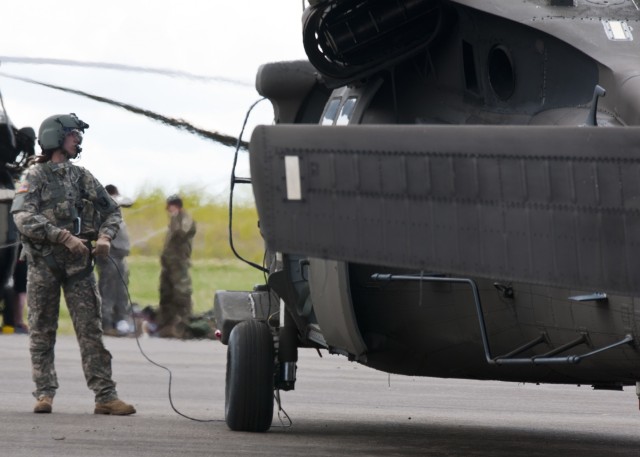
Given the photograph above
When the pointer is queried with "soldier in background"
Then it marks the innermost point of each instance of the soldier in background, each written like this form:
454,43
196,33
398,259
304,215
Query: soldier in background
60,209
175,280
113,272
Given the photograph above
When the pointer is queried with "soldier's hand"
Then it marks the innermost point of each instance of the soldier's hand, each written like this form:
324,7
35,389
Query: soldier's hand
73,243
103,246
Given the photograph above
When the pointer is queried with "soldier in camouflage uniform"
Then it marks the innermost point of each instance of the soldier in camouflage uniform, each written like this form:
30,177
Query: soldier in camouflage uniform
60,209
175,281
113,274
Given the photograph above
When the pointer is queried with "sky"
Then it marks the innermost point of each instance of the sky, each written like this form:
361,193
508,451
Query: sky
224,41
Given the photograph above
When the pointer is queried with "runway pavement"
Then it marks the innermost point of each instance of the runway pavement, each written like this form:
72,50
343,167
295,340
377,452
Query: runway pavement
338,408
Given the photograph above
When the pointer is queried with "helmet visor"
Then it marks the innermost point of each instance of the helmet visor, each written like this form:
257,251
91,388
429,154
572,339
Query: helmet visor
77,134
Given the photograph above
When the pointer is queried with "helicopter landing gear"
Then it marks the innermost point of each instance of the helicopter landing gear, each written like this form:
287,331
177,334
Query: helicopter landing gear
249,380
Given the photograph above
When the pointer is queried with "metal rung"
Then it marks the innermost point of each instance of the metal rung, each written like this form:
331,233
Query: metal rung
531,344
242,180
508,358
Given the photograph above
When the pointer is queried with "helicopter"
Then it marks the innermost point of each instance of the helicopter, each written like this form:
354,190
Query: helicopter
451,190
17,146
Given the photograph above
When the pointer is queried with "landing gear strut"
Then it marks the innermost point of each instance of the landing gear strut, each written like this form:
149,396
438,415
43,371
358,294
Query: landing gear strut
249,381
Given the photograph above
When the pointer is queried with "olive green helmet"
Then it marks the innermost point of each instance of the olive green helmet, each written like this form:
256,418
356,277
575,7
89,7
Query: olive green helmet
54,128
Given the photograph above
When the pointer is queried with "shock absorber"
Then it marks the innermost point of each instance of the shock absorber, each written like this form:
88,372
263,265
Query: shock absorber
287,351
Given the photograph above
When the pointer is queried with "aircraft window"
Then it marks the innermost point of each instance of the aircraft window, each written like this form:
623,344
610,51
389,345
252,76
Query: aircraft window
331,112
470,75
346,111
501,73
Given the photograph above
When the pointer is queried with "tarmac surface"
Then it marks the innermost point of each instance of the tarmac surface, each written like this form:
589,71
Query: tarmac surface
338,408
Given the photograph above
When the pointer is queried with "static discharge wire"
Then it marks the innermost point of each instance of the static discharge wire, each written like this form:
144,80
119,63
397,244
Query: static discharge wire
135,332
282,414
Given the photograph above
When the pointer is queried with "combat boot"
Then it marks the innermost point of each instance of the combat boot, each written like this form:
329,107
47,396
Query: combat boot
115,408
43,405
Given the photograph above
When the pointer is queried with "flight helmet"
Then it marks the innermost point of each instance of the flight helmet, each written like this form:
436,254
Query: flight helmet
55,128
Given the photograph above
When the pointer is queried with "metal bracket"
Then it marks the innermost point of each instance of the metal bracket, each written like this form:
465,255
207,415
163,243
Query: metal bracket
596,296
241,180
509,358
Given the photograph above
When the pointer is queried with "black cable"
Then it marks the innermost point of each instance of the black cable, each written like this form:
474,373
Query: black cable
233,183
135,330
282,414
276,394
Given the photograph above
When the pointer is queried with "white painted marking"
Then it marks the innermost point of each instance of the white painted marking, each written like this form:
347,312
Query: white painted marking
283,309
617,30
292,174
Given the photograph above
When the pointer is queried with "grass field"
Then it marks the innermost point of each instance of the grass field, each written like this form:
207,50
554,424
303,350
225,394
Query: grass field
207,277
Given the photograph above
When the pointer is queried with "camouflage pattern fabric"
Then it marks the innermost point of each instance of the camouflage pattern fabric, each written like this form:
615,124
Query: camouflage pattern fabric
175,280
49,199
83,302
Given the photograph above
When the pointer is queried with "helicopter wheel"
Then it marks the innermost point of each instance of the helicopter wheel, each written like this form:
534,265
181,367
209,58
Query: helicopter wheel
249,380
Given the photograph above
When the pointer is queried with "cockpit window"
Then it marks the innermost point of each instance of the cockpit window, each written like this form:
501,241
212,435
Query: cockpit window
331,112
346,111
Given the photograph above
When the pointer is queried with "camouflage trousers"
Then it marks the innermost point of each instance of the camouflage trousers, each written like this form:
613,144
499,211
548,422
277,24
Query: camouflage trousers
113,272
83,302
175,296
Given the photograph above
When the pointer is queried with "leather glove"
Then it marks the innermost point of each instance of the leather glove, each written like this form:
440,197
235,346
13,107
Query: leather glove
73,243
103,246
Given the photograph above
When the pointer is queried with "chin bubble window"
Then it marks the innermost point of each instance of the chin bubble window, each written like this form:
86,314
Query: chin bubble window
347,110
331,112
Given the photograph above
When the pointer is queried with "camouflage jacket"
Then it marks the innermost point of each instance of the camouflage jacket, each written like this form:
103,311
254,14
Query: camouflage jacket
179,239
57,196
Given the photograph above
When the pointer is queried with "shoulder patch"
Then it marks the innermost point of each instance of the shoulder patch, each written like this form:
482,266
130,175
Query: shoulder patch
23,187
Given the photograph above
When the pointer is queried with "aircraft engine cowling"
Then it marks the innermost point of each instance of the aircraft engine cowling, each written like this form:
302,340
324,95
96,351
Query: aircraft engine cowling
350,39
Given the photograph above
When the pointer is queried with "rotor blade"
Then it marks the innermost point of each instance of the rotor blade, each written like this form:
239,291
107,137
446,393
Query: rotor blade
181,124
122,67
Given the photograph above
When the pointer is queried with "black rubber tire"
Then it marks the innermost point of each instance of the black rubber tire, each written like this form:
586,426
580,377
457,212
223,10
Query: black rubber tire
249,381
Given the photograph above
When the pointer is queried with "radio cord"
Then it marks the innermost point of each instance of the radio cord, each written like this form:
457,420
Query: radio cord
151,361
